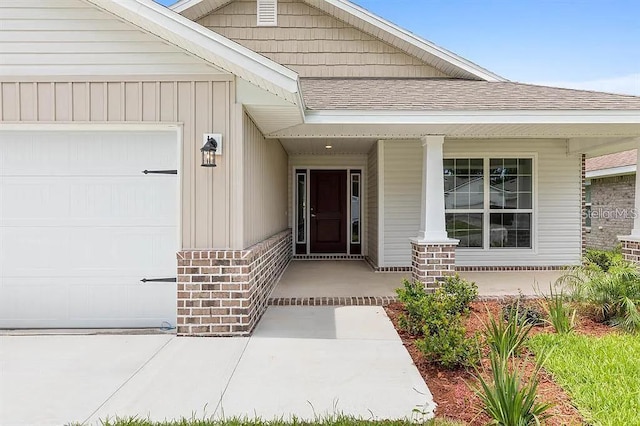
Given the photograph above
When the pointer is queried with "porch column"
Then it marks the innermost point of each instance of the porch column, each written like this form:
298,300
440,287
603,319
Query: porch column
631,243
433,252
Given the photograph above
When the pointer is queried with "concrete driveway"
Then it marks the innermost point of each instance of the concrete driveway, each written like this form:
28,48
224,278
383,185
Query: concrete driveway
302,361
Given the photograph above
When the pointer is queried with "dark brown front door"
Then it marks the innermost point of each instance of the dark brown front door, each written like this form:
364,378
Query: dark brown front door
328,210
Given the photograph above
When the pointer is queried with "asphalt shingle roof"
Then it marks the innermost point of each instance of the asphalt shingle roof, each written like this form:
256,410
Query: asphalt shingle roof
428,94
609,161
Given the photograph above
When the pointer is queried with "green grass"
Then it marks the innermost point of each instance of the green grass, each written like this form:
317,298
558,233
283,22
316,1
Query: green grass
602,375
337,421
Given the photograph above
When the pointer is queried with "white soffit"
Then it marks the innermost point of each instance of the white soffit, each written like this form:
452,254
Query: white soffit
206,44
438,57
319,146
459,130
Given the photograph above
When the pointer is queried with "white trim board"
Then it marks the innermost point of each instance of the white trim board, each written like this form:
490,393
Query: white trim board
610,172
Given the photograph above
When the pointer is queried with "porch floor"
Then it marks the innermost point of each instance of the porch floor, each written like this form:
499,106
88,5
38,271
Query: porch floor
352,278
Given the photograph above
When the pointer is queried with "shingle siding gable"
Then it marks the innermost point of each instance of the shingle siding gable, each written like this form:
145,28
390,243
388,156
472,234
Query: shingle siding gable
313,43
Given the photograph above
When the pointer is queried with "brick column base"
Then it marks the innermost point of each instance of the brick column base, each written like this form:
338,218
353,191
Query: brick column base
432,262
225,292
630,249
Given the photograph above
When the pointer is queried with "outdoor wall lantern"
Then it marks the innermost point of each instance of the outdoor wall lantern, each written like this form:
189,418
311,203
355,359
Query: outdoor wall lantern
212,147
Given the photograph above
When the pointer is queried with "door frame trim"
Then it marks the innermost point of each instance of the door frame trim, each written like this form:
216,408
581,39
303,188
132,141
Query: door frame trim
363,207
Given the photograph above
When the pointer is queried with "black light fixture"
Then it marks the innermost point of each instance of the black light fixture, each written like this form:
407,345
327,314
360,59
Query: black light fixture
209,152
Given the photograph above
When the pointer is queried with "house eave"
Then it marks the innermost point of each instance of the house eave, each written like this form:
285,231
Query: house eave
207,45
611,172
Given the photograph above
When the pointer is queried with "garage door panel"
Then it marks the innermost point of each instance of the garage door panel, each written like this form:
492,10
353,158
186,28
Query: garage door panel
54,251
81,225
86,153
74,302
95,201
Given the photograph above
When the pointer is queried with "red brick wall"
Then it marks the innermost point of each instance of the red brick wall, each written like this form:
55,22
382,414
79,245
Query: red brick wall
225,292
432,262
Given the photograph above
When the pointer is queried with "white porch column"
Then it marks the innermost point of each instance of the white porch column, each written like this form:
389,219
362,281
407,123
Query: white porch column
432,218
433,252
631,243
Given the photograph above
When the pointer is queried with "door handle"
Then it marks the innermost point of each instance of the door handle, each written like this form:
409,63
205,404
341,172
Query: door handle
313,215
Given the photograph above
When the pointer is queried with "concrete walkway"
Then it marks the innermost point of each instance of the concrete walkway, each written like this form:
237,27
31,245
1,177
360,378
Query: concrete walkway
303,361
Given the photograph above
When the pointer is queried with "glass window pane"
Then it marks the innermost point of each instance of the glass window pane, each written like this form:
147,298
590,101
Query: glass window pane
525,200
355,209
495,166
476,167
464,187
466,227
524,183
462,166
587,194
301,223
510,166
525,166
510,230
587,219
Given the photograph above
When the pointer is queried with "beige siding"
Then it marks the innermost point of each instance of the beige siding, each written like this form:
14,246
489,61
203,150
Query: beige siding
205,211
265,185
557,219
313,43
71,37
372,204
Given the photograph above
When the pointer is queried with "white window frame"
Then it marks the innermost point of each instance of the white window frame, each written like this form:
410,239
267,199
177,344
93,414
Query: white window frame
486,210
587,205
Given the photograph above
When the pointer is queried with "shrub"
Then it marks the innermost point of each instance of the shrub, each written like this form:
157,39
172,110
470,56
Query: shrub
506,338
449,347
464,292
559,314
614,293
411,295
525,312
507,399
603,259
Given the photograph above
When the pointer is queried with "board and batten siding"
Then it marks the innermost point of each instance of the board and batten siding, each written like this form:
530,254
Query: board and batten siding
313,43
557,214
72,37
198,107
265,185
372,204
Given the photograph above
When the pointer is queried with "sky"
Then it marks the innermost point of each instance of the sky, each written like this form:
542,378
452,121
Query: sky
582,44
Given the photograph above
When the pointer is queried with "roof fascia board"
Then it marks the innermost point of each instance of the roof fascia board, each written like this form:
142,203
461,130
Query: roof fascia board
610,172
414,40
473,117
206,44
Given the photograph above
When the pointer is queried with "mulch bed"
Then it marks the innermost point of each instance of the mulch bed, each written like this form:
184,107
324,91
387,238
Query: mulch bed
450,388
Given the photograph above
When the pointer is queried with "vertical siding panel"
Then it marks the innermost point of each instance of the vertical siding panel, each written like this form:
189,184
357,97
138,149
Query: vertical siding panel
10,101
266,179
46,106
97,97
28,106
63,101
149,101
80,106
201,98
219,184
114,102
167,101
132,101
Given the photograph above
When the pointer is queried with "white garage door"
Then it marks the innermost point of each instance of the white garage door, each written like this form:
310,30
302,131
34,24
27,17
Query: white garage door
81,225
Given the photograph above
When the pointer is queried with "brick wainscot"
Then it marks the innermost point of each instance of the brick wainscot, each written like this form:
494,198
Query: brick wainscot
225,292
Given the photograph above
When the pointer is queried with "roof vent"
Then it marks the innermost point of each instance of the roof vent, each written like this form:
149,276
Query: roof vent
267,13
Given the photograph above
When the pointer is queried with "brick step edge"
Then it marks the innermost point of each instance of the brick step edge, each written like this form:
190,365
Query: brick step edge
333,301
